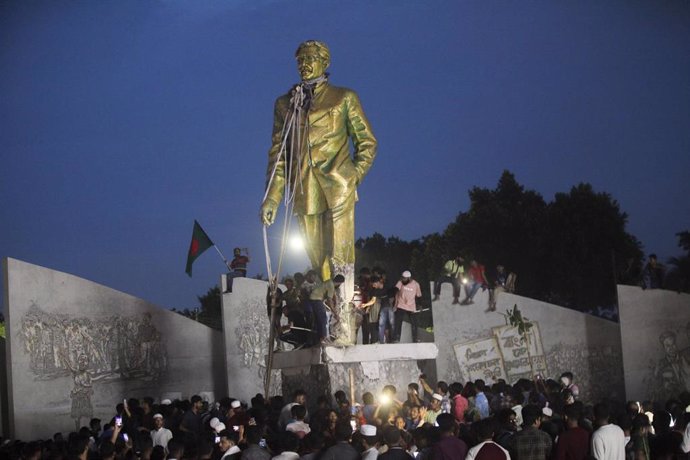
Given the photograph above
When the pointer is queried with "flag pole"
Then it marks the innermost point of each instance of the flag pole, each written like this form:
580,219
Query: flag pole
225,261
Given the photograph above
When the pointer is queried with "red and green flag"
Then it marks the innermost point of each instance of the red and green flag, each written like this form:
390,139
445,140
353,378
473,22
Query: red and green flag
200,243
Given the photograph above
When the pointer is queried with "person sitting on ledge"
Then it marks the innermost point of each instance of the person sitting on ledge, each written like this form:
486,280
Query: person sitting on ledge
452,273
477,279
297,332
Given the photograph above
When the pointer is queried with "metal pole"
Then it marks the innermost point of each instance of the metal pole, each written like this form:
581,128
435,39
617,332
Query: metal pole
225,261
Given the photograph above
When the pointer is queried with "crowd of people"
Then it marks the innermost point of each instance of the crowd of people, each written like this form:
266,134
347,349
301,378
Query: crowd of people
529,420
305,311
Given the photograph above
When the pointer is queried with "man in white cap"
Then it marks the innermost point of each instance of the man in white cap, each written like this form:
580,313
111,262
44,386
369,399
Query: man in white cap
369,442
406,304
434,410
160,435
238,416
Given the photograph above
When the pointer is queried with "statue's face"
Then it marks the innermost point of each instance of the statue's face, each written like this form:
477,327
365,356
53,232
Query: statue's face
309,64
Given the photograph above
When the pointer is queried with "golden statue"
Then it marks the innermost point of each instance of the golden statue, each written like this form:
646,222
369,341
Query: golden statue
310,163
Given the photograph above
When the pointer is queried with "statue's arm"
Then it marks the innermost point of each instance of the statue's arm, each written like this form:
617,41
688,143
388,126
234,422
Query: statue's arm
275,172
360,132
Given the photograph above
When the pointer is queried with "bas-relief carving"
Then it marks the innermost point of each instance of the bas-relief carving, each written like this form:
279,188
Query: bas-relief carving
116,346
252,339
91,349
598,370
668,373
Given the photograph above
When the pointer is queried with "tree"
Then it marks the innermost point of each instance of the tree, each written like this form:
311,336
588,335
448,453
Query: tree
587,246
392,254
210,303
503,226
678,278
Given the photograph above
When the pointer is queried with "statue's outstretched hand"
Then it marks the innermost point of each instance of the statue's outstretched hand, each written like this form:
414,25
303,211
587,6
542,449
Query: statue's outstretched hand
268,212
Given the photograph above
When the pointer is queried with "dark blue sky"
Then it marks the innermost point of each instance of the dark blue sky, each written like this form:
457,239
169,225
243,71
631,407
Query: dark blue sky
123,121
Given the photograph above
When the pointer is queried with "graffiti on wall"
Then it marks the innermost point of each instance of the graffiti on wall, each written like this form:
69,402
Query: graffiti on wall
503,355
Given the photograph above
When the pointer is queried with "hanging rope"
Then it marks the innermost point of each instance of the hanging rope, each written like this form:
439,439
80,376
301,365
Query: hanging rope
298,110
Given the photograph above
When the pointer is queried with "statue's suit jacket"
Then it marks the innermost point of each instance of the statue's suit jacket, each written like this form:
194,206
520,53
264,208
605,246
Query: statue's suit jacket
328,172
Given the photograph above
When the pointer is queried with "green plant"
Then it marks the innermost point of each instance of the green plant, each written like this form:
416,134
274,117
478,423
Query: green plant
514,318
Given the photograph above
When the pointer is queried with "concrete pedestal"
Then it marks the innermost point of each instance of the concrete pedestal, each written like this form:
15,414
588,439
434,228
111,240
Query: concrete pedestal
323,371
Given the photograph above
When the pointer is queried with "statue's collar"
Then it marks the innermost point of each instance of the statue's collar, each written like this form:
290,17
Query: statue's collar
315,84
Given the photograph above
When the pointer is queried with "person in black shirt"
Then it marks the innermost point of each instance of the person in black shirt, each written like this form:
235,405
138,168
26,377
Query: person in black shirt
297,332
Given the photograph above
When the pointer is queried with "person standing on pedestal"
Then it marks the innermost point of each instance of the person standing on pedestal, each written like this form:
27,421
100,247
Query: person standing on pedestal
315,164
322,297
406,304
238,264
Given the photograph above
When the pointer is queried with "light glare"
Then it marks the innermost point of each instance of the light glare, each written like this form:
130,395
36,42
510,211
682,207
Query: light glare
296,243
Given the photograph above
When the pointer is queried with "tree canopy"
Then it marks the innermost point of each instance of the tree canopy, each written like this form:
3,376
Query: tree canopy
571,251
678,277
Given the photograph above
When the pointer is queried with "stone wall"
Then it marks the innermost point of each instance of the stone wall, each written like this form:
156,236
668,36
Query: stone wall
245,334
475,343
77,348
655,335
4,415
323,371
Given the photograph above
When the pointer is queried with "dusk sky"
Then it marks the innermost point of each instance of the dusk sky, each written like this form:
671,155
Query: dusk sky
123,121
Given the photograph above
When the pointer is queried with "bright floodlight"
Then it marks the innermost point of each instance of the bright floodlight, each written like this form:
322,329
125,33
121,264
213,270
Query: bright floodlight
296,243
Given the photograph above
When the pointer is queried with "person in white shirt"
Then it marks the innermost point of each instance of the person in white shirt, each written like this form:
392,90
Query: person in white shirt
685,444
299,426
608,441
159,435
299,397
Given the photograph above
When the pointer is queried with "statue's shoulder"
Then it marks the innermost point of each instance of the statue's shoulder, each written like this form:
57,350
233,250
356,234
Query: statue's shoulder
341,91
284,99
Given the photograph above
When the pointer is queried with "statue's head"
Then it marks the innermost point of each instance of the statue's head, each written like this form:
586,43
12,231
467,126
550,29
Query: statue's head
313,58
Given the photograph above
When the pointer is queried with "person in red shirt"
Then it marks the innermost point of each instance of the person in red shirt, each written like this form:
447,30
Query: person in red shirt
459,403
449,446
238,265
573,444
477,279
